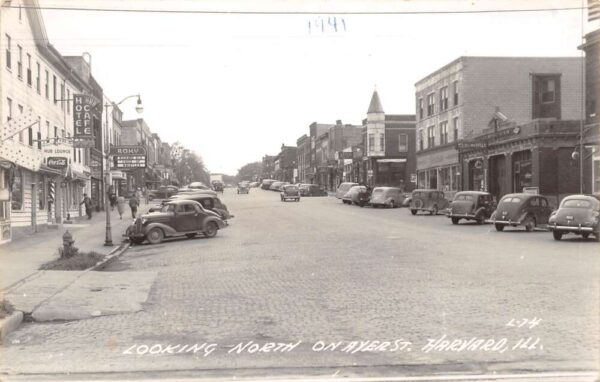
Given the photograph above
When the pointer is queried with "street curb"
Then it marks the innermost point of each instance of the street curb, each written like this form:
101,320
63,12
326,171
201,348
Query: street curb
115,253
10,323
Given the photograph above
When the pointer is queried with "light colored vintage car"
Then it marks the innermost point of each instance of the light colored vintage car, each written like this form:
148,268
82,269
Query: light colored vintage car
391,197
431,201
344,188
578,214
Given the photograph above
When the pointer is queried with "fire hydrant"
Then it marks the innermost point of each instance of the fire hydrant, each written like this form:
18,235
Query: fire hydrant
67,242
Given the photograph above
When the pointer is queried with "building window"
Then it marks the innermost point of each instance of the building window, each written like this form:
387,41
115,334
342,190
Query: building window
62,96
30,135
48,130
371,142
402,143
20,107
455,87
29,77
47,85
431,136
55,135
68,101
39,140
20,62
37,77
41,192
420,108
455,128
382,142
54,89
9,114
17,191
430,104
444,98
421,139
547,89
8,52
443,132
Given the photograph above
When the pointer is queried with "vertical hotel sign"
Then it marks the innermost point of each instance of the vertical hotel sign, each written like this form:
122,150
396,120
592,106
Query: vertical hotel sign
83,132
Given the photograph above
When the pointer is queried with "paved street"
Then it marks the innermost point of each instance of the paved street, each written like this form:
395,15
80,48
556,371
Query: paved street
305,280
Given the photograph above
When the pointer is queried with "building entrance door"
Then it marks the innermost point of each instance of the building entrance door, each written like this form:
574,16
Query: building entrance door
497,176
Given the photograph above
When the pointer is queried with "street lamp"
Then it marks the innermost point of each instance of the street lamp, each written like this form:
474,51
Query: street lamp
139,108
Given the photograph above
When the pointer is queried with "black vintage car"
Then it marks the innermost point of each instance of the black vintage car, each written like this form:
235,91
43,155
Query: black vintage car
311,190
431,201
209,200
577,214
528,210
471,205
290,191
176,218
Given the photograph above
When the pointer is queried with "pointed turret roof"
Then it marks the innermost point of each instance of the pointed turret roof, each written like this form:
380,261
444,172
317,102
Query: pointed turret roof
375,105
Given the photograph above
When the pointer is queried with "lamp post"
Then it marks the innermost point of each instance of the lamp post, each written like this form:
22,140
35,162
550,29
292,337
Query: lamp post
107,181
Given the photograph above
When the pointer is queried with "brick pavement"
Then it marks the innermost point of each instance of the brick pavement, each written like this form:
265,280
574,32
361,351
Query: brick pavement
322,271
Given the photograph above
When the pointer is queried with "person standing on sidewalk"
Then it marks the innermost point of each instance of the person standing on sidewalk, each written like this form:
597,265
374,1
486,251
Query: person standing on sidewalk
138,194
87,202
121,206
133,204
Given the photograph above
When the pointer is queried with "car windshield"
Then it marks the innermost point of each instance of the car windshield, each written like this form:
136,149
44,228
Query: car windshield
512,199
378,191
576,203
168,208
291,188
465,197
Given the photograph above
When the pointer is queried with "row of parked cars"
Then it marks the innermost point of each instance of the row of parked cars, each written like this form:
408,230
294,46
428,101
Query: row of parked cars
576,214
304,189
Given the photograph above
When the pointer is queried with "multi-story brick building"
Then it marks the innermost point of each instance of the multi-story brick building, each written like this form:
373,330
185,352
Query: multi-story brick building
284,164
389,142
591,140
137,132
460,101
315,130
42,176
303,160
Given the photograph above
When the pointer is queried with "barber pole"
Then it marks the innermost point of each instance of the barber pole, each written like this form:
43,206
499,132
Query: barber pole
51,191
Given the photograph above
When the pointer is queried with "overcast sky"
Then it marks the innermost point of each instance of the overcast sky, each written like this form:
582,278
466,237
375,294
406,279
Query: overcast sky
235,87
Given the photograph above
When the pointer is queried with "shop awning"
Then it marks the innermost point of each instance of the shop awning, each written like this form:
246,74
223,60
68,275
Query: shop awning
52,171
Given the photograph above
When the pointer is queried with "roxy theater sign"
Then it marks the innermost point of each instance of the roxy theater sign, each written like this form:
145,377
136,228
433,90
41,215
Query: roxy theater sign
127,157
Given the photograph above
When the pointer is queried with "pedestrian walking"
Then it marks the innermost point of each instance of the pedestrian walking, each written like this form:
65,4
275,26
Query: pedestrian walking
112,197
138,194
121,206
133,204
145,195
87,202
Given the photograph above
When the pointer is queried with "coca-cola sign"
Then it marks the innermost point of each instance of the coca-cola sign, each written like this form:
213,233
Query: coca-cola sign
57,162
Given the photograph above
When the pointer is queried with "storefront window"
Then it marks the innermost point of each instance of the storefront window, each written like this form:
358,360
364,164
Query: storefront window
445,179
41,192
433,181
3,188
454,178
17,191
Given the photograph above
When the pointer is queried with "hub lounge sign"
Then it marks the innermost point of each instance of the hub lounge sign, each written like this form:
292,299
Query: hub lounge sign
57,156
83,132
128,157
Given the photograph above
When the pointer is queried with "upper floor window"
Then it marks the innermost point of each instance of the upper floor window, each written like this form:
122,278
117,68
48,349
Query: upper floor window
37,77
444,98
382,142
455,128
54,89
371,142
420,108
455,88
546,96
47,85
29,76
19,61
431,136
443,132
402,143
8,52
9,114
68,101
421,139
62,96
430,104
547,89
20,107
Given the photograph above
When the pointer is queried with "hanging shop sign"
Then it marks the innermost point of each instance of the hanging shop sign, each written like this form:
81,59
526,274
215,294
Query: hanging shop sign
128,157
83,129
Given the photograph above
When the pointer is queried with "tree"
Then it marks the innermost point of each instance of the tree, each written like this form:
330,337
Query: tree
187,165
249,171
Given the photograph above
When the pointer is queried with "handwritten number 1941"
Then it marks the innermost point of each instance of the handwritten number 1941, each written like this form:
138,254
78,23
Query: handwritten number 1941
333,24
524,322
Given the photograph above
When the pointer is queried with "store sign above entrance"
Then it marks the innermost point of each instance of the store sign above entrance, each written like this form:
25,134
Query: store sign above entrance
471,145
128,157
57,156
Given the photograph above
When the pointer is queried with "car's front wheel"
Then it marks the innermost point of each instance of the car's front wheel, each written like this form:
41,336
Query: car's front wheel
557,235
190,235
455,220
529,224
585,235
414,212
434,210
136,240
155,235
392,204
499,227
211,229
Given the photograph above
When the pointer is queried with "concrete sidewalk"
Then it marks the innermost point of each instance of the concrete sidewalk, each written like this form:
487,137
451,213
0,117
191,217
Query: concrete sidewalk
23,257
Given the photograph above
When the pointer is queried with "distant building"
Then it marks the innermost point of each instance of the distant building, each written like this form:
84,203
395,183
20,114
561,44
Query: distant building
303,159
591,135
284,164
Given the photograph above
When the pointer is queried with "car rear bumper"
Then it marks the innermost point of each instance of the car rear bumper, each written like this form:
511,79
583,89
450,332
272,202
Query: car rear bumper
570,228
462,216
503,222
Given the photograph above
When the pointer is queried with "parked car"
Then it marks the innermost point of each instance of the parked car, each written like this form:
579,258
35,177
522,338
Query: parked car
577,214
254,184
528,210
343,189
198,186
358,195
387,197
431,201
218,186
276,186
266,183
176,218
471,205
209,202
311,190
163,192
290,191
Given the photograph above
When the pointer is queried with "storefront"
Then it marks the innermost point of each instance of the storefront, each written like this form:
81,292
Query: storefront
512,158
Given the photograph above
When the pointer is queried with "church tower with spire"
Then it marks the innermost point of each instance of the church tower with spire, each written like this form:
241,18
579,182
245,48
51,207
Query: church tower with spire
375,127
